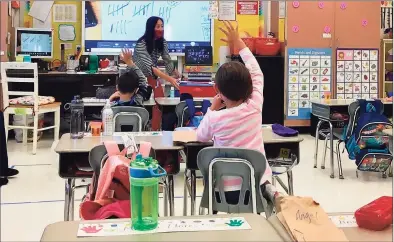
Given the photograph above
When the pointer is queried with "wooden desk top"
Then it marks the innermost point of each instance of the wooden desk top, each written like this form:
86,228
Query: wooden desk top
68,145
261,231
341,102
159,142
168,101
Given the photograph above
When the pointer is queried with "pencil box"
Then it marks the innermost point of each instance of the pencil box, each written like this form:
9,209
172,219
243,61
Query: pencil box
376,215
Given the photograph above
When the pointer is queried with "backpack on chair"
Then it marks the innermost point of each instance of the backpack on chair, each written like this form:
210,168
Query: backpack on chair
196,114
364,140
109,197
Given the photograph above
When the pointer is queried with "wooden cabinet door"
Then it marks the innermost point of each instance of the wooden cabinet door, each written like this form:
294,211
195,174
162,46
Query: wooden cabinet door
311,20
349,29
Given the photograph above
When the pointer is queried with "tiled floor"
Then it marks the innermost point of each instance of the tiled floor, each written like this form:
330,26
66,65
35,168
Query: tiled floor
35,198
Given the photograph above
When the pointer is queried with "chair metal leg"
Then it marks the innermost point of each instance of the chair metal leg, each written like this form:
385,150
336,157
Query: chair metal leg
273,181
391,170
290,182
171,196
35,133
323,162
185,193
339,161
331,150
165,197
193,188
57,125
317,142
71,218
67,198
24,131
282,184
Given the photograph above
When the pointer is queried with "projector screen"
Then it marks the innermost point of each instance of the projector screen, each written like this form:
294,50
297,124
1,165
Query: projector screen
110,26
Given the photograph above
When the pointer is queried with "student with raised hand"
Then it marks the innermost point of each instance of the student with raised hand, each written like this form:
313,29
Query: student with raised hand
240,90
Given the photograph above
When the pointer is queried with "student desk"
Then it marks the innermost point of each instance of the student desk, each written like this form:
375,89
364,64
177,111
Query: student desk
323,109
261,231
72,151
273,145
352,233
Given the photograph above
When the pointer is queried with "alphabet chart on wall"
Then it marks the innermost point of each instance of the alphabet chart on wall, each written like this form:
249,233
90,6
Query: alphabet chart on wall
309,78
357,73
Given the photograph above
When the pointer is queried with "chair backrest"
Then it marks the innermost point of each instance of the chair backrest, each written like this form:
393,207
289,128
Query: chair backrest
182,112
250,165
134,116
19,72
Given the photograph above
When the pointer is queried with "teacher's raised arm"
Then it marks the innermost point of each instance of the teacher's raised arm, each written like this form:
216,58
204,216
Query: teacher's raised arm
150,47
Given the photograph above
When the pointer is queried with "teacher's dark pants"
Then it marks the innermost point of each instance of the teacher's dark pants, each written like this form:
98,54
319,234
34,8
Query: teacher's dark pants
3,148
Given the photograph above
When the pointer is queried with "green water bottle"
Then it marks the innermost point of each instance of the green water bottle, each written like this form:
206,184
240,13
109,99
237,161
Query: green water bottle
144,192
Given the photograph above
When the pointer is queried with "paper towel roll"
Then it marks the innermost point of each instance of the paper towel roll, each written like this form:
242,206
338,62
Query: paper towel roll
224,51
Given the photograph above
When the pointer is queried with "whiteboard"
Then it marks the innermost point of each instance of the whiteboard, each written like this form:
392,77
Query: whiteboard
183,20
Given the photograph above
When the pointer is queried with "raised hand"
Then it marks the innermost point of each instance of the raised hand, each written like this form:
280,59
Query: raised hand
126,57
232,36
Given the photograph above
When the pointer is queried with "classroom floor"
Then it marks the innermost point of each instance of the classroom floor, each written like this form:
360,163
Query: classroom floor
35,198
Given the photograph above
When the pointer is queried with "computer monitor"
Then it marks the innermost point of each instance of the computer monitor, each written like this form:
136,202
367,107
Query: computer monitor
34,42
198,55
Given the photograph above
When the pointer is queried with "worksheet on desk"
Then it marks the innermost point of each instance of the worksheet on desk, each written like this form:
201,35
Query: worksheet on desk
165,226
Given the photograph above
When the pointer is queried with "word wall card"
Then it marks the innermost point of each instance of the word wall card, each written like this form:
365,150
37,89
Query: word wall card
357,73
309,78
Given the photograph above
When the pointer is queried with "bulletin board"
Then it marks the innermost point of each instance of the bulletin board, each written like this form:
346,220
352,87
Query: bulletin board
72,44
357,73
309,78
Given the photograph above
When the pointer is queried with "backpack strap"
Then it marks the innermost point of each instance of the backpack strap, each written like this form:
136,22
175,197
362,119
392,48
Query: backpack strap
191,108
205,105
112,148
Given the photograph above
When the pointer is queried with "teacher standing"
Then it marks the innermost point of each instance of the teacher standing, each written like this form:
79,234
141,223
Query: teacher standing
149,48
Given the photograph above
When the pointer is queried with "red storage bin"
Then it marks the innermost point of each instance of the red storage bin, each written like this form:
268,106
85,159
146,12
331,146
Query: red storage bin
267,46
250,43
376,215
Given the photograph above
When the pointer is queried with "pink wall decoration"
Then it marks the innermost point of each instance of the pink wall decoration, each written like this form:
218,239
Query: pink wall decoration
364,22
296,4
295,28
321,5
343,5
327,29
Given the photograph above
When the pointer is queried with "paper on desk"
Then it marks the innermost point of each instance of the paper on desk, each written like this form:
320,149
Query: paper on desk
40,10
184,136
344,221
165,226
305,220
66,32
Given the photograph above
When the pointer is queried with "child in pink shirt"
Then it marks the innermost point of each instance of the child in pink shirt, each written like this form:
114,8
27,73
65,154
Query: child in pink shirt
240,90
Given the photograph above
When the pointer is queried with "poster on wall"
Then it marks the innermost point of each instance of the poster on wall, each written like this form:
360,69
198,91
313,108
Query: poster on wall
357,73
309,78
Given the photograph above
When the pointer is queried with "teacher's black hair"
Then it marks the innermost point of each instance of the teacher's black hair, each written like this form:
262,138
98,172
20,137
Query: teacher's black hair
149,35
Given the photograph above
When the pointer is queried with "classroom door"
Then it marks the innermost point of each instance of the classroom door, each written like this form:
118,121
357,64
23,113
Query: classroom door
357,24
306,24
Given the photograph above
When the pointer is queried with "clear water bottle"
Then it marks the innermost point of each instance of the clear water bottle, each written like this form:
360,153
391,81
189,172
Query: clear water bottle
77,121
108,119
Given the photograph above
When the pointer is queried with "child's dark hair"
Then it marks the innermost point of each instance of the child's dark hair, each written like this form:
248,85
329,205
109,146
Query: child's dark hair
128,82
234,81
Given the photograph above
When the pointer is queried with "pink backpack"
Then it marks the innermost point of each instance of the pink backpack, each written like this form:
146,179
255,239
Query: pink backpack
109,198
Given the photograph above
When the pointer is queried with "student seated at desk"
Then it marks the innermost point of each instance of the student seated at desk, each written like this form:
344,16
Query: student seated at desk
240,89
127,87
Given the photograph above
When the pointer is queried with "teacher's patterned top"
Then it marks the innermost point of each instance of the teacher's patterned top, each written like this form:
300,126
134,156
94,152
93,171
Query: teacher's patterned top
146,61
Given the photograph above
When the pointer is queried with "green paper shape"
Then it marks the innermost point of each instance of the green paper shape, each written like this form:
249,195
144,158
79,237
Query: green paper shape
235,223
